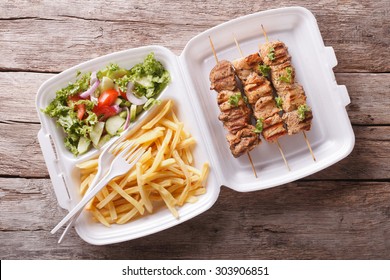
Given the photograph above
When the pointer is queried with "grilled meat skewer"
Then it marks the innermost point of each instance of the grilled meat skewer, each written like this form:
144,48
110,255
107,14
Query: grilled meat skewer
259,93
235,115
297,114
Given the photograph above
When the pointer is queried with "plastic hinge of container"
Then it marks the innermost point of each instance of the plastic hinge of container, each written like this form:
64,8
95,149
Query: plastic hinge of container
50,156
330,57
343,95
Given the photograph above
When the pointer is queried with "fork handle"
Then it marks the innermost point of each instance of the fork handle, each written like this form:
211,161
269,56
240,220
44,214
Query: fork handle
75,217
106,179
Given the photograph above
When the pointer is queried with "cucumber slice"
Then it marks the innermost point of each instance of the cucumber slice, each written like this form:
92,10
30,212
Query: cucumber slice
133,112
96,133
123,114
118,101
106,84
103,140
113,124
83,145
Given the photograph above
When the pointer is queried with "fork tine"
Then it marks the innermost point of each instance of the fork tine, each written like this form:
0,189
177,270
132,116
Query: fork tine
121,145
125,150
133,149
135,156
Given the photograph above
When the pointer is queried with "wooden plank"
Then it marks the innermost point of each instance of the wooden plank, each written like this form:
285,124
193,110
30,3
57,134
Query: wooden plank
101,28
369,103
17,92
304,220
21,155
20,152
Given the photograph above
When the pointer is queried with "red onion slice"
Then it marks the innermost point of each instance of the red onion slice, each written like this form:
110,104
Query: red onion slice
93,78
91,90
127,122
132,98
116,108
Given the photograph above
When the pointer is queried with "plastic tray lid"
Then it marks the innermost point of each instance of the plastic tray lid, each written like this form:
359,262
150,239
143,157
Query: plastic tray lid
331,136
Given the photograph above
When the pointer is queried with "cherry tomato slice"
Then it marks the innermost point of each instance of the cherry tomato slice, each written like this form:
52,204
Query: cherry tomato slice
107,98
80,111
104,112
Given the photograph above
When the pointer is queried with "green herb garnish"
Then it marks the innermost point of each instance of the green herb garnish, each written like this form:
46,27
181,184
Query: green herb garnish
264,69
302,109
259,126
279,102
288,77
271,54
234,99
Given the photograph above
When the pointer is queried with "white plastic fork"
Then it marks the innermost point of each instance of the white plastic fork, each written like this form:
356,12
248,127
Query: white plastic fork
104,162
121,164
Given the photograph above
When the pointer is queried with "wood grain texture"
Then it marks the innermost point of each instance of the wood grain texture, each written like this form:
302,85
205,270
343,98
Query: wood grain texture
361,36
304,220
341,212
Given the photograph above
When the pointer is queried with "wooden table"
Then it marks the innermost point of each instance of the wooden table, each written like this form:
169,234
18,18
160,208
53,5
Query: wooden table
342,212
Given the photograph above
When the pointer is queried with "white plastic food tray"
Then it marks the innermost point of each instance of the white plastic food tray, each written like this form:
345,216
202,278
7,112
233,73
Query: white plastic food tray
331,135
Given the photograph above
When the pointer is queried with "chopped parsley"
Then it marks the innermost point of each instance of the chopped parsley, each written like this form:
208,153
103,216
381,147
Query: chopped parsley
259,126
234,99
288,77
264,69
271,54
279,102
302,109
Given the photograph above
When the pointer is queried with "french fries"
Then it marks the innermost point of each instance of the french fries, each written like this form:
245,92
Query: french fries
164,176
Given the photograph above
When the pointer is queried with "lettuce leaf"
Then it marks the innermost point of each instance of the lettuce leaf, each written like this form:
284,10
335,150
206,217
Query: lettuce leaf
149,77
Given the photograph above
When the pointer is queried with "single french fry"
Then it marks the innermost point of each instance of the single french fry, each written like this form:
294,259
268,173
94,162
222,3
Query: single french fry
186,143
142,191
110,205
169,200
159,116
189,156
176,138
187,175
151,135
92,163
84,185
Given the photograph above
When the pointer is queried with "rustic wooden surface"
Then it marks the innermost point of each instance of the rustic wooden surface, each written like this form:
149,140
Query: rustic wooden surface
342,212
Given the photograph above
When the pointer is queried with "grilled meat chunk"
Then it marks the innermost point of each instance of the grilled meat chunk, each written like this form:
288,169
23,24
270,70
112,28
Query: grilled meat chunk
265,107
235,123
274,53
246,65
256,87
223,100
243,141
292,97
295,124
282,75
273,128
222,76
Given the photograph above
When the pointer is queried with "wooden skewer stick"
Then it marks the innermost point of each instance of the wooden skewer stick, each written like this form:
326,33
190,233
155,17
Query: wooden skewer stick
277,142
304,134
309,146
249,156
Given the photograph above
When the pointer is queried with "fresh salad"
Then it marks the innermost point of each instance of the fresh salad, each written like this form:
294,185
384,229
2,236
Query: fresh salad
100,105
